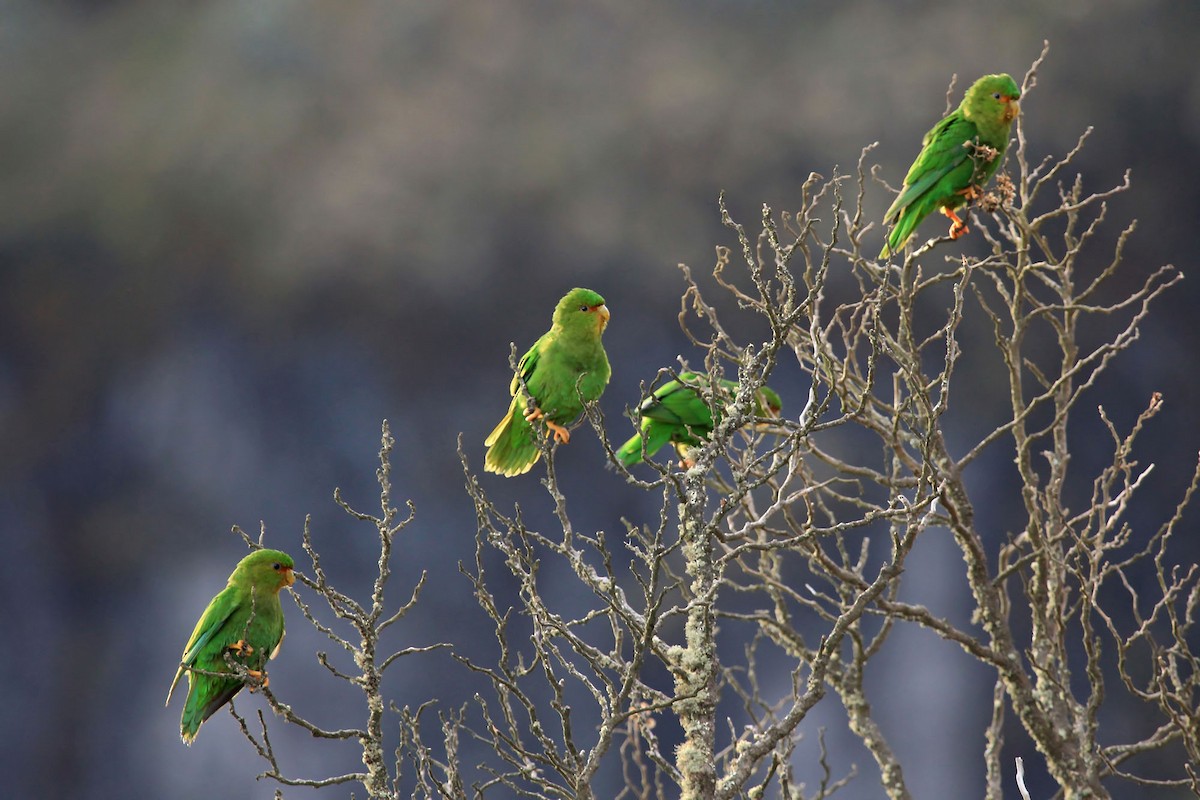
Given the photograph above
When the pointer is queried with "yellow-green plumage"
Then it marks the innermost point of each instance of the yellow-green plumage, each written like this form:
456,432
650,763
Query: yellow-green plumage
678,413
951,167
246,613
565,368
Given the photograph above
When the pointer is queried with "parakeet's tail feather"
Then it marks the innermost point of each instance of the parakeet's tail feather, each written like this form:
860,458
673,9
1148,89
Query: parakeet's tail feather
174,683
656,435
630,453
500,426
511,446
196,710
901,232
907,221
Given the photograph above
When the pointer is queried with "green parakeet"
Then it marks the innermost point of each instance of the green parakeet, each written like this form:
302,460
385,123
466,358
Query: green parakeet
564,368
244,618
958,156
677,413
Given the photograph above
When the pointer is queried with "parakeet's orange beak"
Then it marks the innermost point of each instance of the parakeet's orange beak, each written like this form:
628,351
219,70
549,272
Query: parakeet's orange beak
602,312
1012,108
289,576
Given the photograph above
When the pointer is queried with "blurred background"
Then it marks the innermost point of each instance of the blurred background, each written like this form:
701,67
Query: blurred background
234,237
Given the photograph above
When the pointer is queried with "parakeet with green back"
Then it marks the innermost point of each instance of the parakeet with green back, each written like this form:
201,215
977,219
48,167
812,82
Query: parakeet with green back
678,413
958,157
245,619
565,368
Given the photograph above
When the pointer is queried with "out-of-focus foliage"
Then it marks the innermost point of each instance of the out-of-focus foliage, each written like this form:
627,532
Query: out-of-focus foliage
234,236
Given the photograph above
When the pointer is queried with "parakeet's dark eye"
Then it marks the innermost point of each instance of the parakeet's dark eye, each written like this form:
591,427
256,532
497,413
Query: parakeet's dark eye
996,96
277,566
583,308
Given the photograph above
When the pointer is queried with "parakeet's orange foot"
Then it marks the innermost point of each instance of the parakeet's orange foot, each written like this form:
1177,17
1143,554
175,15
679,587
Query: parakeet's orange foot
241,648
971,193
561,434
957,226
260,676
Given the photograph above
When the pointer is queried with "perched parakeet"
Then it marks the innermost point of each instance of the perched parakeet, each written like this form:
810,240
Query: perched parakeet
952,167
244,618
677,413
564,368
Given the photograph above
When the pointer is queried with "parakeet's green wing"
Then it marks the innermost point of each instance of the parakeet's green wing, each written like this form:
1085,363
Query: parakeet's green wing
524,372
678,402
526,366
511,446
214,618
943,151
689,408
656,427
656,408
